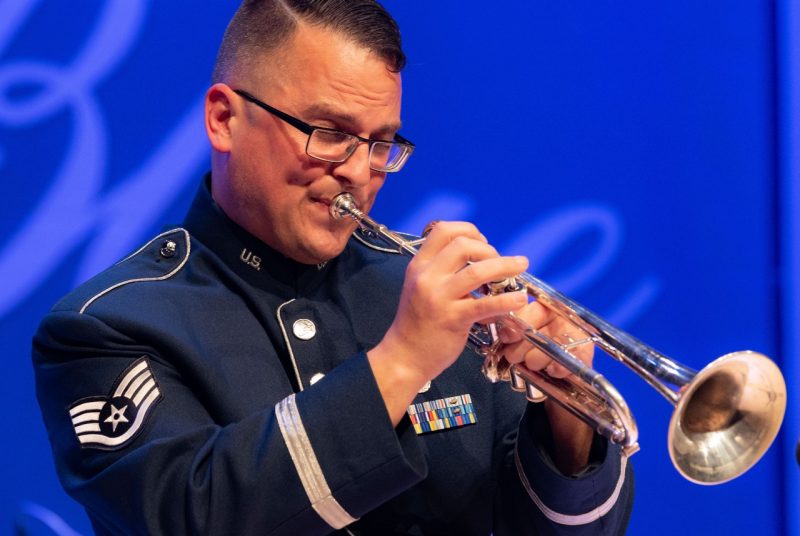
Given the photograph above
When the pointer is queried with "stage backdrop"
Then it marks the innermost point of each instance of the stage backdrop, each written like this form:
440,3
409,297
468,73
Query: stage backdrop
630,149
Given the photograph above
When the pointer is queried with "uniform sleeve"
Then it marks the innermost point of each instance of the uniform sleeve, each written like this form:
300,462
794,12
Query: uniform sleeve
135,444
536,498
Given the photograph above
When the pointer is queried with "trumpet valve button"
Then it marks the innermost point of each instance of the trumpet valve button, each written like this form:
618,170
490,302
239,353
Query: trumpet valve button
517,381
533,394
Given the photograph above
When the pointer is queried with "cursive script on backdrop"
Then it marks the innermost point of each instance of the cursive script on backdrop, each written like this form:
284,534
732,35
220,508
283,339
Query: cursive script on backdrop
74,208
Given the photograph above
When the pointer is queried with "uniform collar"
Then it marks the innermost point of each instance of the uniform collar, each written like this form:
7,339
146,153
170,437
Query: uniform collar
249,257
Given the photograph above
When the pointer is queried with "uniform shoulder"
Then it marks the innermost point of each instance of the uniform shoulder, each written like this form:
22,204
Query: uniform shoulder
159,259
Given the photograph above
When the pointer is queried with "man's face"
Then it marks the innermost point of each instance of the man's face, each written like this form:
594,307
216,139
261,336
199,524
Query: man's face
273,188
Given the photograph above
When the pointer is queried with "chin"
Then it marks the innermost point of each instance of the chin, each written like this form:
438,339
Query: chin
323,252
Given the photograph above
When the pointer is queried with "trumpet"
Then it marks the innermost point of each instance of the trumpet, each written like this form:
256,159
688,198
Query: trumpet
726,415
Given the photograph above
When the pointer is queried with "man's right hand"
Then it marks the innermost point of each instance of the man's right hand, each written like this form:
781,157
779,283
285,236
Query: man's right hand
436,310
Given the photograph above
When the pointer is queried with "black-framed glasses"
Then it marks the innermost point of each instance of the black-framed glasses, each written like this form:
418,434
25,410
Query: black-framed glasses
331,145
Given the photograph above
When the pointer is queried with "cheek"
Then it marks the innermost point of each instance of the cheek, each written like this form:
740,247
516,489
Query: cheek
304,170
250,160
270,152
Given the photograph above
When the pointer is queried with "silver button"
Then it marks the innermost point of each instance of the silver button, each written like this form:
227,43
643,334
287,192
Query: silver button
168,249
316,377
304,329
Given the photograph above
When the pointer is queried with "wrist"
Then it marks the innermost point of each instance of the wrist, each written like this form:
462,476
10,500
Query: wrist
398,380
572,439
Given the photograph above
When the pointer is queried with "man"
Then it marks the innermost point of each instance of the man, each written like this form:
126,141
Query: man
264,370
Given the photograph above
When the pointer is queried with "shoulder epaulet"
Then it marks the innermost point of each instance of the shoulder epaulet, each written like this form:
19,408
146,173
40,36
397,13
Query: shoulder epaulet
159,259
373,241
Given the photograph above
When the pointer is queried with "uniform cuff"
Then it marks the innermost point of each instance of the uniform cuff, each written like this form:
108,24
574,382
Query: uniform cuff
365,460
567,500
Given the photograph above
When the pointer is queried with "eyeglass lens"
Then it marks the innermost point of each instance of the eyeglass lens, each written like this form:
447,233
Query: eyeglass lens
333,146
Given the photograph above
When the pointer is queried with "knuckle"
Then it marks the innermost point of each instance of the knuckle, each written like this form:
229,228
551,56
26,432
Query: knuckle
483,251
472,272
447,228
535,359
488,307
471,228
461,242
412,269
483,307
513,353
425,289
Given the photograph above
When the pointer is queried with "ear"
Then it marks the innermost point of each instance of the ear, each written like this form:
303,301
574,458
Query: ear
219,115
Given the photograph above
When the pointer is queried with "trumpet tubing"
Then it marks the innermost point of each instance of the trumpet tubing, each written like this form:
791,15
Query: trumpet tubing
726,415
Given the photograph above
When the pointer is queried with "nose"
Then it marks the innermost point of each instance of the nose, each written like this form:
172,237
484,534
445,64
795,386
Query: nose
355,170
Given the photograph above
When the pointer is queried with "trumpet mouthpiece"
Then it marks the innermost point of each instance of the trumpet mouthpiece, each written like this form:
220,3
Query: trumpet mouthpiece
343,205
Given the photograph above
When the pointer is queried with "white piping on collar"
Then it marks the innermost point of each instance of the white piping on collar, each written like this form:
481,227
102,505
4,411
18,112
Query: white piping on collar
289,344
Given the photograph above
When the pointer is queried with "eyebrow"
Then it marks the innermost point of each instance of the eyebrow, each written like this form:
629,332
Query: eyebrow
323,111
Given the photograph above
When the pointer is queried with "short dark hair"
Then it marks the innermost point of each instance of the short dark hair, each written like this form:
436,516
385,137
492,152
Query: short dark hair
260,26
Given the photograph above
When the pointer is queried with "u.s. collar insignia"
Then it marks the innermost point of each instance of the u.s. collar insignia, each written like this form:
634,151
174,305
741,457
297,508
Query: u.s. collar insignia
110,422
441,414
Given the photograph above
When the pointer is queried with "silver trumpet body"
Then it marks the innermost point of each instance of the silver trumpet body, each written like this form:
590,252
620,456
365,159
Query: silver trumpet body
726,415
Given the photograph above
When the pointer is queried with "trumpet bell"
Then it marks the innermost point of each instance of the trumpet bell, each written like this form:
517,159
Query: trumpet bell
727,417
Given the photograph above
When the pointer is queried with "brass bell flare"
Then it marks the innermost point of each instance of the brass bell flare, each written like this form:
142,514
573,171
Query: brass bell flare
727,417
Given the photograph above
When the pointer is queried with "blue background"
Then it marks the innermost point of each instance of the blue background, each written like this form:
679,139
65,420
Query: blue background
641,153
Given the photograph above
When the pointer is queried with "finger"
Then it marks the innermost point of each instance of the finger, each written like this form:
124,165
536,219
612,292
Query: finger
556,370
527,354
534,314
472,310
571,338
478,273
436,275
535,359
443,233
581,349
562,332
462,251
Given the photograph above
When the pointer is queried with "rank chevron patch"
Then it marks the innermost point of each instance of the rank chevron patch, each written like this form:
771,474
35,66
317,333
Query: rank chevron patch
110,422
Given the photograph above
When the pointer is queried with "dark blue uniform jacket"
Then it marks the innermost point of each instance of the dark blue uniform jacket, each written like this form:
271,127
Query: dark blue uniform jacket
207,385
